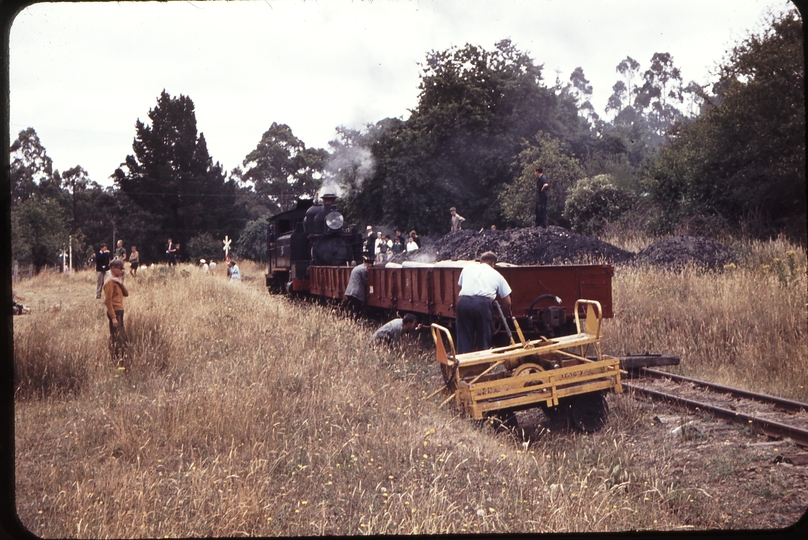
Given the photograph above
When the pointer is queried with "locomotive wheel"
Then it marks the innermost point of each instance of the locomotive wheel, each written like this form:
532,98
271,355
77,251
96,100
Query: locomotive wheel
589,411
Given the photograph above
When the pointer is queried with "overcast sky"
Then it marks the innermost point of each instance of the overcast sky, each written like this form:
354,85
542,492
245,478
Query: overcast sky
81,74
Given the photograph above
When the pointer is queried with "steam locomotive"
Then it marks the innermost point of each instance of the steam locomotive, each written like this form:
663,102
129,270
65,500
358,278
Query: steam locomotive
311,234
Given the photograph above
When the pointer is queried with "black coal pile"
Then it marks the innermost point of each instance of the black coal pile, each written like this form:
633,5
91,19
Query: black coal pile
532,245
678,251
556,245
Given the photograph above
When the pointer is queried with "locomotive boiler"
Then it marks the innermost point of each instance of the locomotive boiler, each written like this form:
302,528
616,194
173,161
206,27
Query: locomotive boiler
310,234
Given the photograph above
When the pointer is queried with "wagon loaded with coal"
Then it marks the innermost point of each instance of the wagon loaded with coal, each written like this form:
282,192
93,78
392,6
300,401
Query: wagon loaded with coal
547,355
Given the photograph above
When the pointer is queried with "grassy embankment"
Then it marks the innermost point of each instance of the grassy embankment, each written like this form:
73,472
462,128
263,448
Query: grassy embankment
241,413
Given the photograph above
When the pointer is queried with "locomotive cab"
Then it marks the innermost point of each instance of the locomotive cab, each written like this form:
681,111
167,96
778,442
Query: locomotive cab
287,247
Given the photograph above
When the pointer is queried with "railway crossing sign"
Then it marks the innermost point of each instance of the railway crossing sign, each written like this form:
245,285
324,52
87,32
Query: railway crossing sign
226,246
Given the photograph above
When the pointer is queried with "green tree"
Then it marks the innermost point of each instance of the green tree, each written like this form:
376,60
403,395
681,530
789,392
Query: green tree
518,199
593,202
204,246
475,109
582,90
745,154
252,244
30,165
172,177
282,169
39,229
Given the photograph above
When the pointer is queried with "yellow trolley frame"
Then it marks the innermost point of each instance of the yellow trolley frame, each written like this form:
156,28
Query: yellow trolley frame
529,373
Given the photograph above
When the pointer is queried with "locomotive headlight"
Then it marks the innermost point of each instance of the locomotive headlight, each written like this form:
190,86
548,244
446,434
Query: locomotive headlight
334,220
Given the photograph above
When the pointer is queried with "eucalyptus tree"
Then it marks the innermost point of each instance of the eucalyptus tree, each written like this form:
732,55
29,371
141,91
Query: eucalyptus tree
30,165
281,168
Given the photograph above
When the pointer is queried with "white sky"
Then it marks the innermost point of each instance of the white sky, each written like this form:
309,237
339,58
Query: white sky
81,74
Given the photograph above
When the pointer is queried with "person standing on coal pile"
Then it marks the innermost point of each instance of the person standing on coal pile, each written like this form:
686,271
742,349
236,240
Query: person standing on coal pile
114,293
542,187
357,285
101,268
480,285
390,333
457,219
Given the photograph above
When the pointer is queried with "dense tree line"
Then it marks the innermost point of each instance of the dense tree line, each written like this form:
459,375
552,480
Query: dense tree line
665,156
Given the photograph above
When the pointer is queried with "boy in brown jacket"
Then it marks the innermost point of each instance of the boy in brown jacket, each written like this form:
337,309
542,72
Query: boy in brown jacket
114,293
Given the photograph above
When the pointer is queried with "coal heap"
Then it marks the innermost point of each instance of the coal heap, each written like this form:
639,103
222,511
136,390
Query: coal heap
678,251
557,245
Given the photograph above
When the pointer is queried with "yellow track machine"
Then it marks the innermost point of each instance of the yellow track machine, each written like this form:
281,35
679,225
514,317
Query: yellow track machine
565,375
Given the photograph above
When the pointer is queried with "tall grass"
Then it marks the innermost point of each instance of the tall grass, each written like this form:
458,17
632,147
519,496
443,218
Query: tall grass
745,325
242,413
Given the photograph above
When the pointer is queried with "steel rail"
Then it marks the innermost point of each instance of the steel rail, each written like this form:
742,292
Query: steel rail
786,404
770,427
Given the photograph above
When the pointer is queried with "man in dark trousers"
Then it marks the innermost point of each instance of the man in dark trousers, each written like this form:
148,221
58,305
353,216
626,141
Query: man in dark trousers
101,268
355,292
480,285
542,187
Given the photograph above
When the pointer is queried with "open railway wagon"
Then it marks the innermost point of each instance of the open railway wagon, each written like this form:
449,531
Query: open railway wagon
543,297
566,375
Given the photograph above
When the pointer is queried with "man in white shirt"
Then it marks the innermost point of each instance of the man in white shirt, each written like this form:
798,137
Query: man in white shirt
480,285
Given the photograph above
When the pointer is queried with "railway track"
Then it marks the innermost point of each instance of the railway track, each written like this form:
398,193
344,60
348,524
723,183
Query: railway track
777,417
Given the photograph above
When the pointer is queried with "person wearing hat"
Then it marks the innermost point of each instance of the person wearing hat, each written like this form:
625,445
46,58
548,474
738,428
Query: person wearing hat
114,293
203,264
357,285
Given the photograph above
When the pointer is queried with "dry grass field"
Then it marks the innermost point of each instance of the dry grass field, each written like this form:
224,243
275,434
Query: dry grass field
241,413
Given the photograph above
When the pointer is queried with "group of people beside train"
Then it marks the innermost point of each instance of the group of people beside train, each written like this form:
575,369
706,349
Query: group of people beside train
380,247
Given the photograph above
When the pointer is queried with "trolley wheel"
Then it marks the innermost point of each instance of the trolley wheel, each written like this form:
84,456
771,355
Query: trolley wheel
589,411
528,368
558,414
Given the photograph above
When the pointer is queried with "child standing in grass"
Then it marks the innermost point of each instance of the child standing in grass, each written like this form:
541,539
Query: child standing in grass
134,262
114,293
